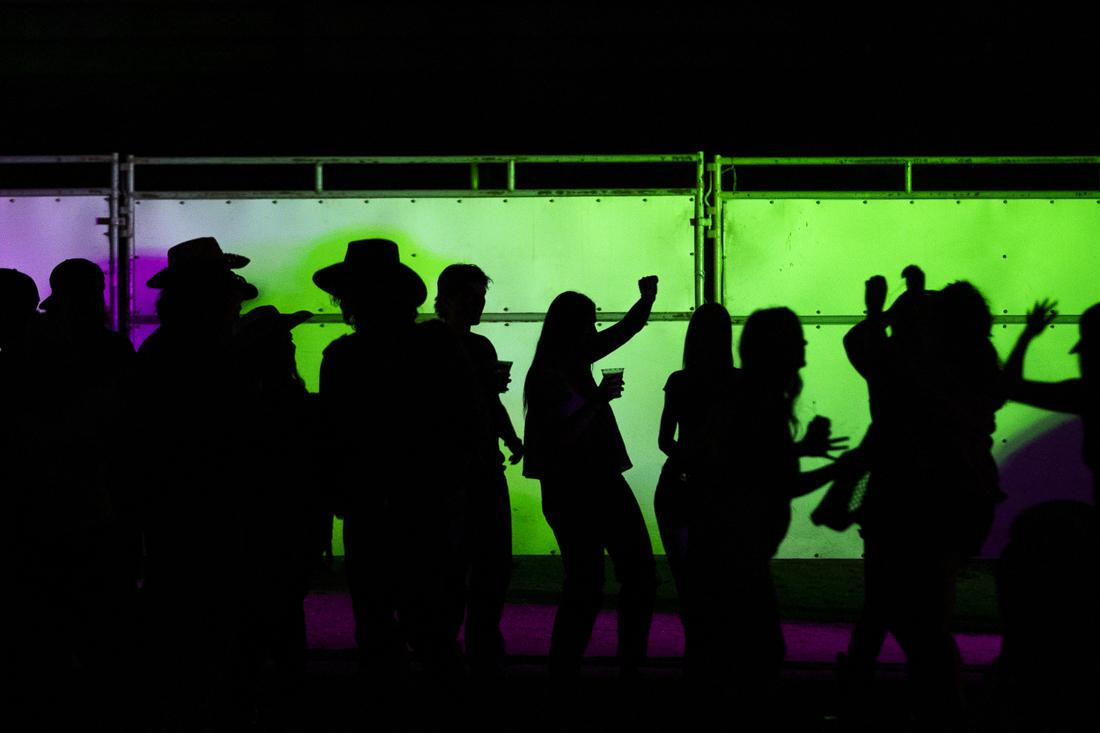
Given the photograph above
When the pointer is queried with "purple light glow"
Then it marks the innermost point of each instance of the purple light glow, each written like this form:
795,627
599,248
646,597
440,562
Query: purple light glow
526,629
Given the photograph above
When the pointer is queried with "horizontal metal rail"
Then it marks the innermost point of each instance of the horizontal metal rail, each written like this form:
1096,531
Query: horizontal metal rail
912,195
13,193
418,159
407,193
917,160
738,320
49,159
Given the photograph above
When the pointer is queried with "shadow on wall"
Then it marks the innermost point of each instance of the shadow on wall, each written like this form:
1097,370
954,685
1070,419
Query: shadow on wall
1047,467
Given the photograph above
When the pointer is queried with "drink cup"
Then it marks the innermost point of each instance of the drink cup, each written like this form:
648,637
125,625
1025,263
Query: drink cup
503,375
613,373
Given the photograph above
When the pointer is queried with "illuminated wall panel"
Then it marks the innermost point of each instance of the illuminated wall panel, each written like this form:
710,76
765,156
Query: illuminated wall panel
532,248
815,256
38,232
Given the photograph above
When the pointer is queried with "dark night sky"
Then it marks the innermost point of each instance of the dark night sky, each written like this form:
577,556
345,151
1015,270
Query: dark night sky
230,78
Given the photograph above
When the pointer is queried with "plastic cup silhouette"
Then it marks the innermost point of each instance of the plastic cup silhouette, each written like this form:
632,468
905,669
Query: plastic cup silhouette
503,374
615,373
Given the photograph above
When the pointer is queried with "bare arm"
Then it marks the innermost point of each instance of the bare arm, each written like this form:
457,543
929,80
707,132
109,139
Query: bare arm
865,343
1057,396
666,433
614,336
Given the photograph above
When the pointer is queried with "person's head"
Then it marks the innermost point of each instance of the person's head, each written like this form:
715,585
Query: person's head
709,341
570,321
76,294
1088,347
199,290
773,352
372,286
18,304
772,342
264,341
961,313
460,294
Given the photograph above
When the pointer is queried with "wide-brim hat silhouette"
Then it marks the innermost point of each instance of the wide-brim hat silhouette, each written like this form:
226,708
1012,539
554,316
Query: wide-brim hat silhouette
76,277
372,265
202,257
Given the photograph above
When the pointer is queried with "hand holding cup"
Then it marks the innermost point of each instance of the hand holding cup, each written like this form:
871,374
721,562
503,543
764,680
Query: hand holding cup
612,385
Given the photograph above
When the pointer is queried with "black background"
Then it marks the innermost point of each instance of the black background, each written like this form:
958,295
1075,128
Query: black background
235,78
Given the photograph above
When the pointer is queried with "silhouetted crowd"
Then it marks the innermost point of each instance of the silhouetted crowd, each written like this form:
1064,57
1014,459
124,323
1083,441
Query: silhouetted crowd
166,508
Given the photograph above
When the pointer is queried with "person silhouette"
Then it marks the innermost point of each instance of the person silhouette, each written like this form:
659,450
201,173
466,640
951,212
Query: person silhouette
459,302
575,450
933,481
747,473
708,374
194,508
82,543
1078,396
707,380
280,544
1045,677
402,537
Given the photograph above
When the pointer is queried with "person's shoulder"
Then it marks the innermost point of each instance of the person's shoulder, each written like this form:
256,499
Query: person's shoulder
675,381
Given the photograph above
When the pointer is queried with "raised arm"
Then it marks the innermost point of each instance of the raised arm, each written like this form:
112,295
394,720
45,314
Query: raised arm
614,336
865,342
1057,396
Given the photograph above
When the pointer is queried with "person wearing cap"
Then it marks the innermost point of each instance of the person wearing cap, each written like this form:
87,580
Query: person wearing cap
1079,396
399,488
459,303
280,539
194,390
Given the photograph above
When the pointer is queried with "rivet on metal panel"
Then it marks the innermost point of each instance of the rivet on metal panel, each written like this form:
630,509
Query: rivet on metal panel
771,202
504,201
274,201
551,200
644,200
910,200
366,201
458,201
58,201
817,202
1006,201
597,201
412,201
864,200
1052,201
320,201
12,201
182,203
1004,257
228,202
505,310
958,201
